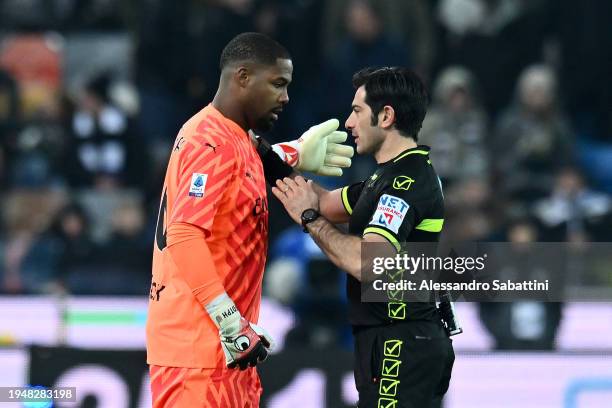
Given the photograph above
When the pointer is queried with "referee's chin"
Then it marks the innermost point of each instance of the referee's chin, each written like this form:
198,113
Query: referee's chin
362,150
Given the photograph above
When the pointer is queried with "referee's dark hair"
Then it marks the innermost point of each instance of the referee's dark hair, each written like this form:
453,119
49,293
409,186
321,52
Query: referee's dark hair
399,88
252,47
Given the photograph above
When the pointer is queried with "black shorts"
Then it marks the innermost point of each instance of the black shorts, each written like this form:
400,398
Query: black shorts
404,365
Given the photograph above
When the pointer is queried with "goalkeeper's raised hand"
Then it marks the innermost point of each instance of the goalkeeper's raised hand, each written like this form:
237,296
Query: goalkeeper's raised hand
318,150
244,344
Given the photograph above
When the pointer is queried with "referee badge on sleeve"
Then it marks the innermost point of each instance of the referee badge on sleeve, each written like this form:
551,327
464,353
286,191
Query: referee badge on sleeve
390,212
198,184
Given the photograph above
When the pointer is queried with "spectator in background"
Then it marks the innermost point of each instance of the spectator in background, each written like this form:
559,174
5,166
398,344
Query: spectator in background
471,211
573,212
77,251
128,251
30,255
39,147
106,153
584,35
9,116
532,139
120,266
456,128
494,39
524,325
365,43
409,21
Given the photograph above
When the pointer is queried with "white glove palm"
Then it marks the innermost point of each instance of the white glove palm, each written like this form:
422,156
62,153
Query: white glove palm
318,150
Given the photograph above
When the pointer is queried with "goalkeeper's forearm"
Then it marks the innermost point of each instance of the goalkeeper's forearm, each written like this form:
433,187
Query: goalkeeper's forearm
243,343
189,251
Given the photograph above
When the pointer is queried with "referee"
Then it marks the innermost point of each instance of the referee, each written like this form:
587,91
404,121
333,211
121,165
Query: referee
403,356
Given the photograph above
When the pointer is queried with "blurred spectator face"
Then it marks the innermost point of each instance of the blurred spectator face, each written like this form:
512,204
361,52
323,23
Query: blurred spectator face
73,224
266,94
569,182
454,89
537,89
474,193
459,101
90,102
368,138
522,233
362,22
129,220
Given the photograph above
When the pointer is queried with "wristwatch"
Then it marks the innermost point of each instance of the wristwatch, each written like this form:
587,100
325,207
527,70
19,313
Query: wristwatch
308,216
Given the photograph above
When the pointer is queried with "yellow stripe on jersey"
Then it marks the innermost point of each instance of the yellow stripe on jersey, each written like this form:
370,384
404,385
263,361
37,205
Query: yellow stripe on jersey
383,233
431,225
345,201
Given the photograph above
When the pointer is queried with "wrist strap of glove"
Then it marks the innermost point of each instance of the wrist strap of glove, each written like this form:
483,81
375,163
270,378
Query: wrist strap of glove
274,167
224,314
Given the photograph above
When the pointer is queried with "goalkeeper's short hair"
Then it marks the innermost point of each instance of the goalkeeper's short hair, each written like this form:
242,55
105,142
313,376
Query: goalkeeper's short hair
252,47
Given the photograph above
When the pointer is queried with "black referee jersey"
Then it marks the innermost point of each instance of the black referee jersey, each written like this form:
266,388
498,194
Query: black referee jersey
403,202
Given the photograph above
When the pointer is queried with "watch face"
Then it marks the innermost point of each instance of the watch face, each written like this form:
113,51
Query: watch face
309,215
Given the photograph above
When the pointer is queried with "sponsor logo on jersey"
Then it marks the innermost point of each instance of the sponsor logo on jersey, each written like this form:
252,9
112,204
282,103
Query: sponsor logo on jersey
390,212
198,184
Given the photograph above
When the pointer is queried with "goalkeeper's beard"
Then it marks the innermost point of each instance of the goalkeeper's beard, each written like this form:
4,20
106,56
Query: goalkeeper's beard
263,125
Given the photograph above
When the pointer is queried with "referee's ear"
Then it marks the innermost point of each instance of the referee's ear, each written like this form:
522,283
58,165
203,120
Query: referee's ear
386,117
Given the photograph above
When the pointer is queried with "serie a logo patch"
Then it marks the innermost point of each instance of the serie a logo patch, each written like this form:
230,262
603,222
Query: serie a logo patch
198,184
390,212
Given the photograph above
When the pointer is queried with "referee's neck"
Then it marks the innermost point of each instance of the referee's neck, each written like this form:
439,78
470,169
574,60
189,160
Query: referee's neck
393,145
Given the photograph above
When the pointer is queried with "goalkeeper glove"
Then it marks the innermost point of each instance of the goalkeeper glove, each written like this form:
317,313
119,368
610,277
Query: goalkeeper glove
318,150
244,344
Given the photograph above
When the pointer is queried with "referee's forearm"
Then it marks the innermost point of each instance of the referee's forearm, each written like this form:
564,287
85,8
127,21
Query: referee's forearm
343,250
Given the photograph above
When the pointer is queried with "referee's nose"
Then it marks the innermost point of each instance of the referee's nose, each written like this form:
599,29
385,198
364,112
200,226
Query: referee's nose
350,122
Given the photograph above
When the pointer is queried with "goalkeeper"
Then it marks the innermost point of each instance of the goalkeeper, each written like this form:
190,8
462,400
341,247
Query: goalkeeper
211,238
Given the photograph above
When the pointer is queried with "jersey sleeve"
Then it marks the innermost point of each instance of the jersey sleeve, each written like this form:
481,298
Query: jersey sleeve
203,177
350,195
400,209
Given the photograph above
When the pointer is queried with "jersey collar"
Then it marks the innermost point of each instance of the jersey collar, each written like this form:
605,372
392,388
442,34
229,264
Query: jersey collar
422,150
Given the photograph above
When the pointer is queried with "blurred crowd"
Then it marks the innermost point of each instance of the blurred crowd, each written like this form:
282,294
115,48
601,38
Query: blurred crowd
93,92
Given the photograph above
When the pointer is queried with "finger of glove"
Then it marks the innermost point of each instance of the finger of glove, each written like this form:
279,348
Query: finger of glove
263,355
257,354
337,161
265,337
326,127
329,171
243,364
260,353
337,137
340,149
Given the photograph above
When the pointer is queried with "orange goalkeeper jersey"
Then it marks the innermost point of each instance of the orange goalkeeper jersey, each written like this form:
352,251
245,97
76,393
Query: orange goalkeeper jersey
215,182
